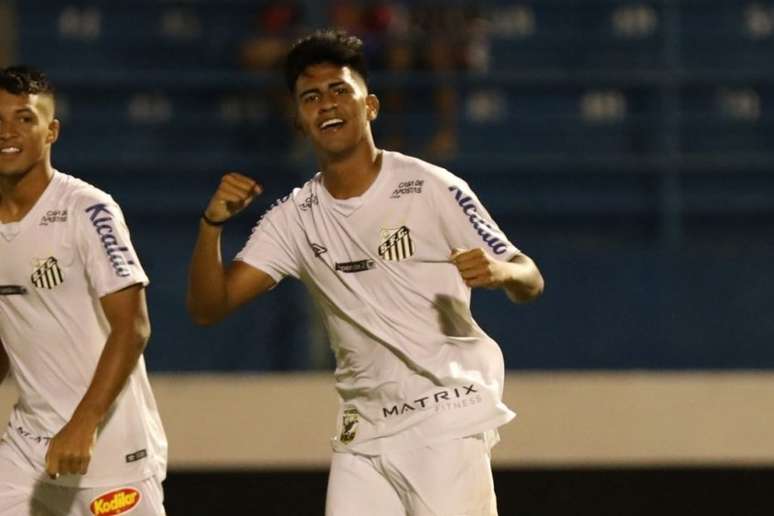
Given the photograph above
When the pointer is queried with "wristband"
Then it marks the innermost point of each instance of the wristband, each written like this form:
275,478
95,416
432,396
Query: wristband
211,222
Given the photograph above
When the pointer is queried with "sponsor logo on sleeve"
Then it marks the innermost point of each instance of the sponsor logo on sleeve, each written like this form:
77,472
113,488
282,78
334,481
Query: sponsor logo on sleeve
482,227
119,501
396,244
47,274
118,254
349,422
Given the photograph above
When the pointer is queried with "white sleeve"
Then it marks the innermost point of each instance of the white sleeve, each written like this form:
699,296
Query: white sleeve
104,244
269,248
465,223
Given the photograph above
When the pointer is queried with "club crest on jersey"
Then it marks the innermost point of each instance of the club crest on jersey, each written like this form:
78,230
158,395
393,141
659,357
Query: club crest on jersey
349,426
47,274
396,244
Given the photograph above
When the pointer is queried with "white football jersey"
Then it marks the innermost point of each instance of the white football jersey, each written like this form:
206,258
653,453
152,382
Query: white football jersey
413,367
70,250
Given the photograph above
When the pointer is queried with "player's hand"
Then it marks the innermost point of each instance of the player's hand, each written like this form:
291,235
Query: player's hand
478,268
235,193
69,451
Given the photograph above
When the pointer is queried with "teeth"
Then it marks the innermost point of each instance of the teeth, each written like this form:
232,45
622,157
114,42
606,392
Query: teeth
332,121
10,150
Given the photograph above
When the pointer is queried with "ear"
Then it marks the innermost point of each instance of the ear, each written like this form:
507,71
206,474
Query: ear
372,107
53,131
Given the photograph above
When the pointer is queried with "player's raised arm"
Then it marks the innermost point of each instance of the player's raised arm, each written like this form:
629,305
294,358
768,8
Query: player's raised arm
215,291
126,311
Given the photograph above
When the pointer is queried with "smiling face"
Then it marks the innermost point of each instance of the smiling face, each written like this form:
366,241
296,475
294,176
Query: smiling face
27,130
334,109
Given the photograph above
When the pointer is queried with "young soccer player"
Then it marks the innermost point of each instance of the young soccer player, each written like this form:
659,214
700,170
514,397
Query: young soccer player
85,437
389,247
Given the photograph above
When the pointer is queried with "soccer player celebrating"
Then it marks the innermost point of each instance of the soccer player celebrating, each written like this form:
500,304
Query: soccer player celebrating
85,436
389,247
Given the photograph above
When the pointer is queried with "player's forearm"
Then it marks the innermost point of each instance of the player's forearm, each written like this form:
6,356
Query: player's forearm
524,282
207,294
123,349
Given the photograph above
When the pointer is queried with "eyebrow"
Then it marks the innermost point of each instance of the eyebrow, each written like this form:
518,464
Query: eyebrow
25,110
317,90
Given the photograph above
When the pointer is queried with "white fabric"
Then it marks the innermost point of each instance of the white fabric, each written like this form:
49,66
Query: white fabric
70,250
23,495
413,367
453,478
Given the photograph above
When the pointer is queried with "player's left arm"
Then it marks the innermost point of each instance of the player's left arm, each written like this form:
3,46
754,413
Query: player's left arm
519,277
126,310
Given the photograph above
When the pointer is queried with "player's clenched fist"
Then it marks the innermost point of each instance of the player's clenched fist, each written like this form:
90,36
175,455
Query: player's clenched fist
234,194
478,268
69,451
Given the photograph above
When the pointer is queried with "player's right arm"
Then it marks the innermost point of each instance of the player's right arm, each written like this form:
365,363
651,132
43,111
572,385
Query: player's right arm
215,291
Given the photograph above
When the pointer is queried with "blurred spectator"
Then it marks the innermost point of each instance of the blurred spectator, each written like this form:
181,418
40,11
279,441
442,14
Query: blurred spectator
276,26
406,37
7,33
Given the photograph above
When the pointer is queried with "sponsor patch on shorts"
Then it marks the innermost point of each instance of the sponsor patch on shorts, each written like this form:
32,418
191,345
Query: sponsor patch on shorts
118,501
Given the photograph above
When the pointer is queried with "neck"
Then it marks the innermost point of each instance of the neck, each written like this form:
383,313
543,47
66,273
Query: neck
19,192
350,174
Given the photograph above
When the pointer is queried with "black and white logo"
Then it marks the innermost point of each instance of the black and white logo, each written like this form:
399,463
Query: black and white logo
47,274
12,290
135,456
396,244
318,249
309,202
408,187
358,266
53,216
349,422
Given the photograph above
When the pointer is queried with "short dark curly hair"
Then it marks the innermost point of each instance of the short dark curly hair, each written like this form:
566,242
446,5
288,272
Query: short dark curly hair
25,80
325,46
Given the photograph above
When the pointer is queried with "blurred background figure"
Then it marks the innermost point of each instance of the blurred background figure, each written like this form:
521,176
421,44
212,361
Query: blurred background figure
7,33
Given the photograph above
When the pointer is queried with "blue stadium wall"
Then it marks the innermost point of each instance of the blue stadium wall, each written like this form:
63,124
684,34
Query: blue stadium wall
636,170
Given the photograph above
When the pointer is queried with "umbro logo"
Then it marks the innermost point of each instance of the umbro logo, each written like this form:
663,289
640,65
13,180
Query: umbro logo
318,249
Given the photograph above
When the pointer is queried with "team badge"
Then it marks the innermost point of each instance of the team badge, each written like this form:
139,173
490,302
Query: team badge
47,274
349,426
396,244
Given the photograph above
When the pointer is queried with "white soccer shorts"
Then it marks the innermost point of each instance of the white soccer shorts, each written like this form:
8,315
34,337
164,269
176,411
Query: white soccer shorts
24,495
453,478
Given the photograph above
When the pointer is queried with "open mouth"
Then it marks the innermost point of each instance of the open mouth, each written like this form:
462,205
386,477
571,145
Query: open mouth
331,125
10,151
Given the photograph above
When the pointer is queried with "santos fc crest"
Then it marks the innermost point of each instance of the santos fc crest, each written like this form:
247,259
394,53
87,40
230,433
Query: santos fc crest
47,274
396,244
